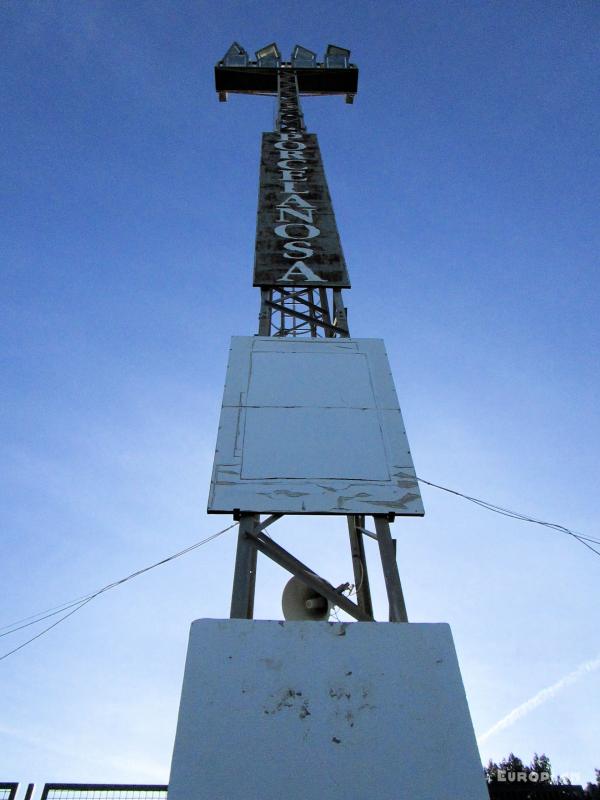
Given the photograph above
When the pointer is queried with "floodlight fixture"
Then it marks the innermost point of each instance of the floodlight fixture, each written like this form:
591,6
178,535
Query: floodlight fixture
269,56
235,72
303,58
236,56
337,57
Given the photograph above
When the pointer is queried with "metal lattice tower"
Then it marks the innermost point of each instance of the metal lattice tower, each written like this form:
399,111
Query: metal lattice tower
301,296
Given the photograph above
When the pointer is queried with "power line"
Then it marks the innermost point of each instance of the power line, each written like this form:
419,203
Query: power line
507,512
76,605
35,618
66,604
72,606
49,628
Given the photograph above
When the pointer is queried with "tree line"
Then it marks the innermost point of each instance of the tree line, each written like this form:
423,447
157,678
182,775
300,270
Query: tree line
513,770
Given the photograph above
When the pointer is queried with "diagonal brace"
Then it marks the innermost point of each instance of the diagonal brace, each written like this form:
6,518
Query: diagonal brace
297,297
286,560
304,317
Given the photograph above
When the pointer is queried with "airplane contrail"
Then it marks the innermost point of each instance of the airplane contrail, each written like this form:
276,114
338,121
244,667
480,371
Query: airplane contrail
540,698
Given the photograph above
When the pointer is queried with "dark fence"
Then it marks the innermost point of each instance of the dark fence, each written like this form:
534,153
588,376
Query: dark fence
135,791
88,791
103,791
534,791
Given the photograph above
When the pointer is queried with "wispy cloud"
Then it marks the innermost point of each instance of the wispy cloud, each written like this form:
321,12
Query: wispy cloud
540,698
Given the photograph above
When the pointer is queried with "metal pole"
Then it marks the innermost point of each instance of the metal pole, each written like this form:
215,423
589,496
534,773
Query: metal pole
264,317
244,577
359,563
340,314
390,570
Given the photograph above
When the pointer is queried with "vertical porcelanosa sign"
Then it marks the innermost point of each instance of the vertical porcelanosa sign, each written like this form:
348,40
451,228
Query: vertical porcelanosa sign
297,242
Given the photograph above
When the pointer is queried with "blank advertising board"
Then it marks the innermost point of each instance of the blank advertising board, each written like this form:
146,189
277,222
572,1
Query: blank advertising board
311,426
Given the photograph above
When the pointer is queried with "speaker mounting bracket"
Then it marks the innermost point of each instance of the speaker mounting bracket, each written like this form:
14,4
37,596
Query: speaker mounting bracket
253,539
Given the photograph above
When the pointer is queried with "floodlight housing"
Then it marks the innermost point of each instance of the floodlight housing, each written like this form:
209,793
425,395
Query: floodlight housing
234,73
303,58
268,56
337,57
236,56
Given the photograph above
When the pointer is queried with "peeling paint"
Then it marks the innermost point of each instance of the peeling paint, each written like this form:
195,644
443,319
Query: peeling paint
356,412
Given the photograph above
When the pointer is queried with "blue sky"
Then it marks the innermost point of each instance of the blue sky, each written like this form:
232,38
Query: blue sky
465,182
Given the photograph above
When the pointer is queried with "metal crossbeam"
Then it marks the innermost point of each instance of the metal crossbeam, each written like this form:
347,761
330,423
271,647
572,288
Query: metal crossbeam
287,312
253,539
310,318
298,296
274,551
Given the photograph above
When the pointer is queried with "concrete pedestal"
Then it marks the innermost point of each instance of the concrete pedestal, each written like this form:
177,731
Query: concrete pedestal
323,711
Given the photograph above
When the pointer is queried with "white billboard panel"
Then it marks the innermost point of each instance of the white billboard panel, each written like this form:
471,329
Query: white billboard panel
311,426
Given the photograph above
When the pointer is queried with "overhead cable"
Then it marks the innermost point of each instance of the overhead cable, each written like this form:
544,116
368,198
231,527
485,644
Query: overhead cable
507,512
76,605
72,606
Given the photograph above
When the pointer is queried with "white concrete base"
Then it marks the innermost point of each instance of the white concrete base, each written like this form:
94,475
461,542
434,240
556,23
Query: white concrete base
323,711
